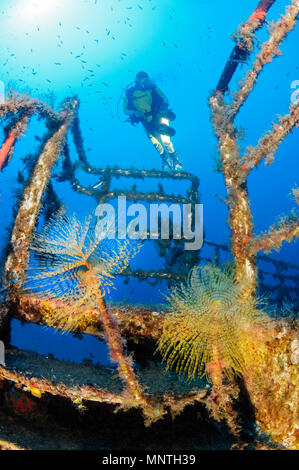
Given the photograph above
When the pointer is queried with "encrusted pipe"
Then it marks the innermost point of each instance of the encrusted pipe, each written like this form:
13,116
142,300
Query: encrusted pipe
244,38
125,368
287,230
236,170
30,206
268,145
268,51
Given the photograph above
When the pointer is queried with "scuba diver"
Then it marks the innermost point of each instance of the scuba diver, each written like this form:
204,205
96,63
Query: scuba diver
145,103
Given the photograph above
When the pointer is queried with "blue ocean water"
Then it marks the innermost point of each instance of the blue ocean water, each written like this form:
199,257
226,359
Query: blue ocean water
93,49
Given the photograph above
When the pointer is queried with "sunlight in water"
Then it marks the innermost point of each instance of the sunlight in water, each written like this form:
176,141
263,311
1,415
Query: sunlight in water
32,10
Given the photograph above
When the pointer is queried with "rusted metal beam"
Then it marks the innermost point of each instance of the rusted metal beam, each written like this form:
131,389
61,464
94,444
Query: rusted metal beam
118,172
135,322
104,192
85,392
111,393
244,38
30,206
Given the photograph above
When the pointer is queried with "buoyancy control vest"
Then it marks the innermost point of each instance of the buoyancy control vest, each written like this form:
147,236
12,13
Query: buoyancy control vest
156,99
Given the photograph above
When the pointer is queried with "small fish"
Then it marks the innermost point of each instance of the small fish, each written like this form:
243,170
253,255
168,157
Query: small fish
98,185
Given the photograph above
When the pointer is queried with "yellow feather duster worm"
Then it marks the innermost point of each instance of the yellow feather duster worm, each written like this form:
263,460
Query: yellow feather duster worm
201,330
76,266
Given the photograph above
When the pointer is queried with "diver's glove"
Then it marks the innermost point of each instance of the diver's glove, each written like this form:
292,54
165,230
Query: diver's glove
135,117
137,114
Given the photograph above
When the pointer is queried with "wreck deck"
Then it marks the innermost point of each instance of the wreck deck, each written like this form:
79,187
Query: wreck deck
91,382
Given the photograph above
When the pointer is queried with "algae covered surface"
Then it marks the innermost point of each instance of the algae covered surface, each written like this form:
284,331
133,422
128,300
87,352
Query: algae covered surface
115,228
155,379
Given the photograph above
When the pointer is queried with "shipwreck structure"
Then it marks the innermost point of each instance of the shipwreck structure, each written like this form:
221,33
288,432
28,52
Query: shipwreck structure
37,388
